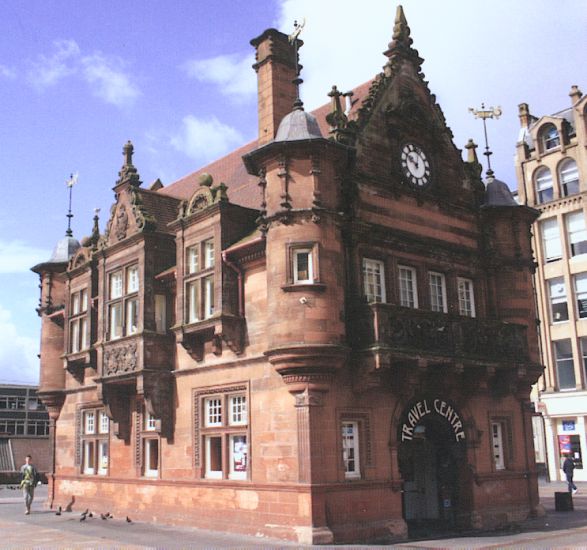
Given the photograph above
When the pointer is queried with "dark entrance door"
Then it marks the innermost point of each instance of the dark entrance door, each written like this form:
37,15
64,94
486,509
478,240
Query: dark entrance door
429,467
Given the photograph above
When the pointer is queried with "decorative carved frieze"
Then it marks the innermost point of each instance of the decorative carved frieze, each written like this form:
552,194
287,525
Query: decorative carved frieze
120,359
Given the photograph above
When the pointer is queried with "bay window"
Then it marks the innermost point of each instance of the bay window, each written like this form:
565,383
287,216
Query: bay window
78,321
199,277
123,302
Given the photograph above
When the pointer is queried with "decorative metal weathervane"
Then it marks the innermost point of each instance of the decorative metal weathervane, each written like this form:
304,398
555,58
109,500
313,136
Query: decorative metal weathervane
70,183
293,39
484,114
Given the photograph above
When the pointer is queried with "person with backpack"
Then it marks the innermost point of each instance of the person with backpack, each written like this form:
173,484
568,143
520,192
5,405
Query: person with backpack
28,482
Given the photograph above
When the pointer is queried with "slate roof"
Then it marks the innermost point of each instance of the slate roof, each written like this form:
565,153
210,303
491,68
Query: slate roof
230,169
163,208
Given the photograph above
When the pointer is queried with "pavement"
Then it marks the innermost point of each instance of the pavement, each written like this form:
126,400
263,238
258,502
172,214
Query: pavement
44,530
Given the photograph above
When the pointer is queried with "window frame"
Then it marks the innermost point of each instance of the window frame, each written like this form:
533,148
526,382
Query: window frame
200,281
577,247
549,137
565,360
123,303
374,288
444,304
556,314
354,446
94,436
568,174
544,185
548,228
468,299
79,321
408,297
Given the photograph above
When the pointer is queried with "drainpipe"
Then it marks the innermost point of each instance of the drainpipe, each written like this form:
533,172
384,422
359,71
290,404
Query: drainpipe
53,438
239,274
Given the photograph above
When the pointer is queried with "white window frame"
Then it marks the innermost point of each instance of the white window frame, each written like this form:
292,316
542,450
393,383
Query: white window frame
408,287
104,423
557,294
89,422
150,422
238,410
242,453
580,286
437,288
551,240
576,231
213,411
374,280
550,137
115,288
568,174
212,474
103,459
208,253
208,296
149,469
193,259
297,252
544,185
497,445
466,293
89,456
564,359
132,279
351,449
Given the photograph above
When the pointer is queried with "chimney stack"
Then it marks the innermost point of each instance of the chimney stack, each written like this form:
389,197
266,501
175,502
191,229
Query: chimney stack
524,114
276,70
575,94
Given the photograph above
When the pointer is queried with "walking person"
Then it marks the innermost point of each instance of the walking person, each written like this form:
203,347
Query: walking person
28,482
568,469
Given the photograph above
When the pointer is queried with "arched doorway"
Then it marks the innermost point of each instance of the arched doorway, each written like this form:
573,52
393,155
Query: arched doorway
431,455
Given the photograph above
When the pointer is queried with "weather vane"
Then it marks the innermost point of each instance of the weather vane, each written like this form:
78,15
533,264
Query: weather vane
293,40
484,114
70,183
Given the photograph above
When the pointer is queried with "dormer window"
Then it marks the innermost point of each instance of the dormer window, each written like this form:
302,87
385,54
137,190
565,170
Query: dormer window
123,306
550,137
78,321
569,177
544,191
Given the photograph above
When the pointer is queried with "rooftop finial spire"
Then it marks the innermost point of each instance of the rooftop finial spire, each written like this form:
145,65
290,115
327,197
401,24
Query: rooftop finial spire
484,114
401,30
293,39
400,47
128,173
70,183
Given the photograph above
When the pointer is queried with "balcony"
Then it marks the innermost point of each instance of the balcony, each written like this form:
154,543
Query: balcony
413,332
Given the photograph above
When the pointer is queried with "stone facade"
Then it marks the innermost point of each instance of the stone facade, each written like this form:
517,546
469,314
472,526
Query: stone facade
551,164
325,336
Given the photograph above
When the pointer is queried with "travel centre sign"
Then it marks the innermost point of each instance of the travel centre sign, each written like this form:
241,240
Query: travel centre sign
415,413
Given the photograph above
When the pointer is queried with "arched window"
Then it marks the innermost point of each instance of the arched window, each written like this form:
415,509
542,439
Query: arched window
569,177
543,181
549,137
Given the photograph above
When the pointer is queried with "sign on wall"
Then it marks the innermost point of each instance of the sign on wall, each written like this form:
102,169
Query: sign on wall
414,414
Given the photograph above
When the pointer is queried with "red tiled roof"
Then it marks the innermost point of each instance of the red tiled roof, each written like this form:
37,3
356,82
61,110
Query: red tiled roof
230,169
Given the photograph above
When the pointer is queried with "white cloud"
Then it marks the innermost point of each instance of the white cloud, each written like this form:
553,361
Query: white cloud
18,257
233,74
18,354
105,75
7,72
110,82
48,70
205,140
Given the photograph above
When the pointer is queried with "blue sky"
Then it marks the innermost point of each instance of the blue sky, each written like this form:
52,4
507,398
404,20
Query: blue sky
78,79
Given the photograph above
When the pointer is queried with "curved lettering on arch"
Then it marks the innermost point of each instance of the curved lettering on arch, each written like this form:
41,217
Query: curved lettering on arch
417,409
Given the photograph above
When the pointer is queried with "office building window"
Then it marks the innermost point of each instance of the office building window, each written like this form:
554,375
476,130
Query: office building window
373,280
466,297
437,285
549,137
580,281
558,300
544,190
78,321
569,177
583,342
551,238
577,233
123,302
408,290
563,353
94,441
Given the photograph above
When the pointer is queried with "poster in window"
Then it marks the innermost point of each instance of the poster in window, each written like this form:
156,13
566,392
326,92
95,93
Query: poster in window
568,425
564,444
239,453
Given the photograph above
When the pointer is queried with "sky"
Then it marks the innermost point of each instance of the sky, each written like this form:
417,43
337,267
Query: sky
79,79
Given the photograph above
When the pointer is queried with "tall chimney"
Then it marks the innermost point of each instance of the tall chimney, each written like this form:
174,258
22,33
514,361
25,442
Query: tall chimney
575,94
524,115
276,71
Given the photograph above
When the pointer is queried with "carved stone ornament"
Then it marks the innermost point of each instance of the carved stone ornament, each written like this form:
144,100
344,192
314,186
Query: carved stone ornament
120,359
121,223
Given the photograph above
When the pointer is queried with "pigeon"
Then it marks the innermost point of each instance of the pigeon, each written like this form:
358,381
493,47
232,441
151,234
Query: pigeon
86,512
82,518
103,516
90,515
58,513
109,515
128,520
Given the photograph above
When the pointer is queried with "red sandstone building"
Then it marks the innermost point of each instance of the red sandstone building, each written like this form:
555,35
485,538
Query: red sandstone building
327,335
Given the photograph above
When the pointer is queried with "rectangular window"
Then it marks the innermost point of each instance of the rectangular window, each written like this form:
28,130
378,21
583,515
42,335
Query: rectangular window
466,297
123,307
577,233
350,450
160,313
151,457
580,281
223,429
193,259
78,321
150,423
94,442
302,266
558,300
497,445
565,368
132,279
437,284
115,313
584,355
373,280
193,305
74,336
553,249
132,316
209,253
407,287
208,296
116,285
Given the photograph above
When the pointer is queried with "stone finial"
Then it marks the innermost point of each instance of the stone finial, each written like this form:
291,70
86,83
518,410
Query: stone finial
575,94
471,148
400,46
128,173
205,180
96,229
524,115
401,30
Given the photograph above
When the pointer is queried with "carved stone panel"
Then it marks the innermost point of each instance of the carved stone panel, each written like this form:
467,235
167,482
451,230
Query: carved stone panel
120,359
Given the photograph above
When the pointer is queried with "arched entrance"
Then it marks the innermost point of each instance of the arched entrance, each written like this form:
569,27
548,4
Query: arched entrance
431,455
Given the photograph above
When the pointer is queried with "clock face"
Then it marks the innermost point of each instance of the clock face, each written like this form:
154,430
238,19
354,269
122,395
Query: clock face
415,165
